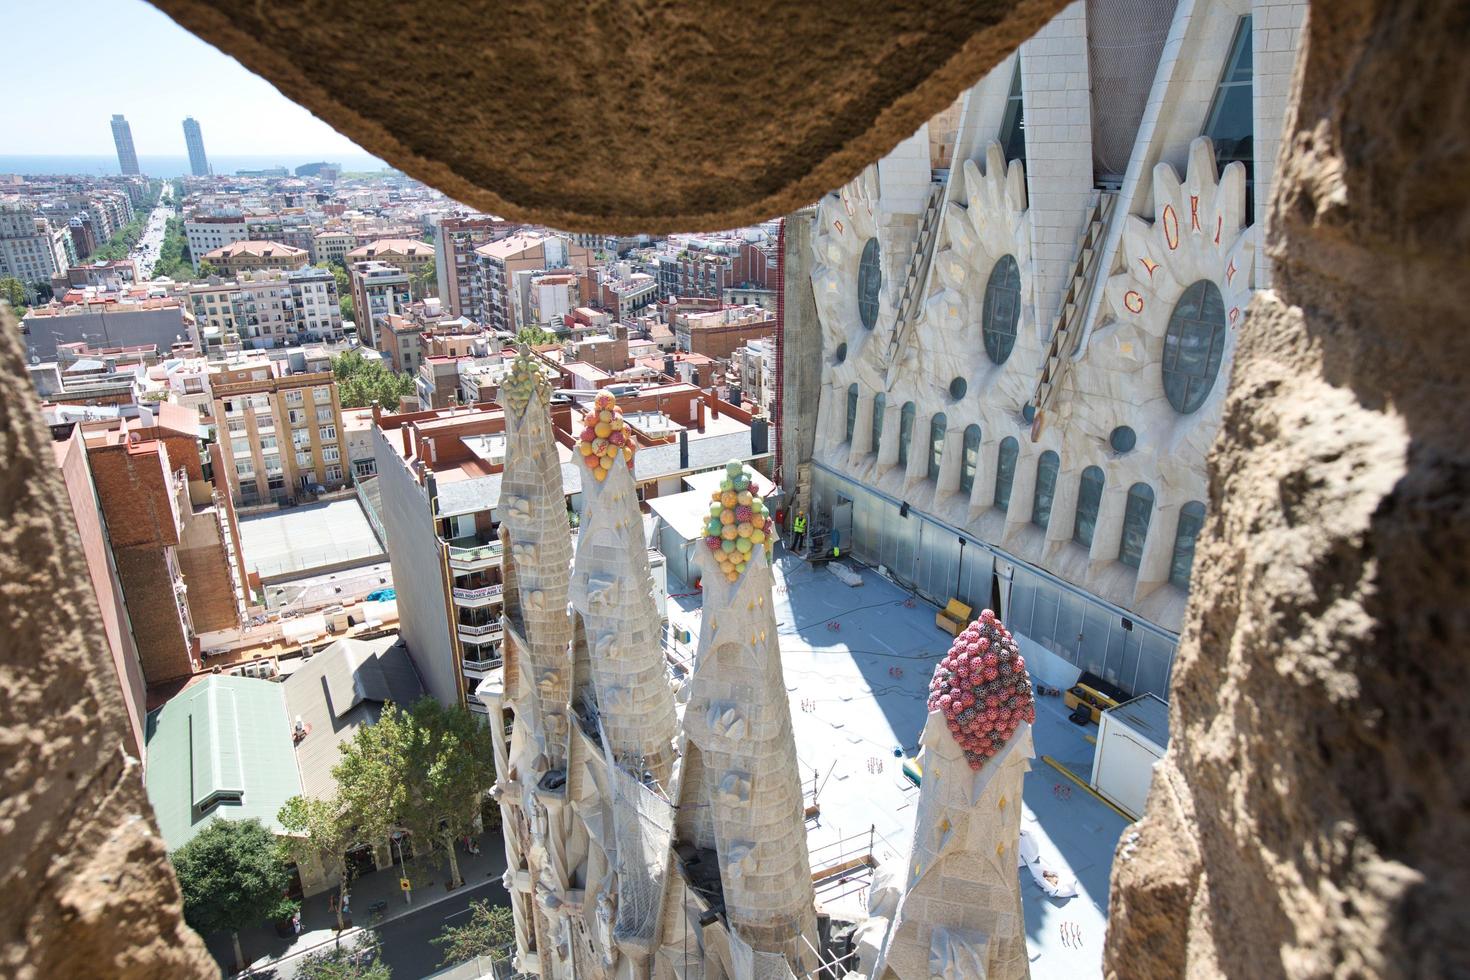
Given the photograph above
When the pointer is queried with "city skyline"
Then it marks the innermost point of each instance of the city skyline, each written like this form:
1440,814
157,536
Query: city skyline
133,87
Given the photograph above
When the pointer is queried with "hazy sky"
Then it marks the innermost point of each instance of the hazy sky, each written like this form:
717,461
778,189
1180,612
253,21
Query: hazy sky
70,64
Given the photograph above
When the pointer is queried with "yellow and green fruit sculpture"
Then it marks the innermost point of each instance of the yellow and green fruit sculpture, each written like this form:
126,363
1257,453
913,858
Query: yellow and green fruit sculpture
604,436
738,522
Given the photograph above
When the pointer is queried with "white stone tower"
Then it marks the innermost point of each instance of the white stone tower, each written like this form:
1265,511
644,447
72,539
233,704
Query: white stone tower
612,592
739,720
538,827
538,554
960,916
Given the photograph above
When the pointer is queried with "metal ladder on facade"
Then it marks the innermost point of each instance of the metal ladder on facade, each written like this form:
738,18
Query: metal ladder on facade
918,270
1066,332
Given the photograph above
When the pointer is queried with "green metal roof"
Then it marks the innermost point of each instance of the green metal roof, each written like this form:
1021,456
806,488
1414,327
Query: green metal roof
221,748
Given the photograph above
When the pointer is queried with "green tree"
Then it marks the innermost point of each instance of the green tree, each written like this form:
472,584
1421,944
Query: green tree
535,336
344,303
360,382
232,876
447,766
491,932
360,961
13,291
425,769
207,269
425,281
320,830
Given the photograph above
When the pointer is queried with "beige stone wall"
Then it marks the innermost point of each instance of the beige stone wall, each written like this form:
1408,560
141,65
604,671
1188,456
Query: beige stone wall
91,892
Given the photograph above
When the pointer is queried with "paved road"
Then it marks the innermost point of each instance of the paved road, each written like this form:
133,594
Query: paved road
406,946
145,253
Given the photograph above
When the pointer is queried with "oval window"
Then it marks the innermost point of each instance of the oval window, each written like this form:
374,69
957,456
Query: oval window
869,284
840,354
1194,346
957,388
1002,309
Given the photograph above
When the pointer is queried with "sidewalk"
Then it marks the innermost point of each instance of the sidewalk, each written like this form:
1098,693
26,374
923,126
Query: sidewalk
264,949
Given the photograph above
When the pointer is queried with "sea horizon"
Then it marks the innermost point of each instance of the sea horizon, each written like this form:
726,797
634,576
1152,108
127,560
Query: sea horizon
174,165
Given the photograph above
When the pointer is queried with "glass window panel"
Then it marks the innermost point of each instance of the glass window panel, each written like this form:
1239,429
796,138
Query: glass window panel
852,407
1013,124
1194,346
880,405
1044,616
1005,471
1136,514
1230,121
869,284
1046,486
1069,624
937,426
970,458
1191,519
905,432
1002,309
1089,499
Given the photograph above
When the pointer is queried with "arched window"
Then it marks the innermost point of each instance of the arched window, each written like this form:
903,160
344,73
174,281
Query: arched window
905,432
880,407
1191,519
1046,488
852,405
970,458
1002,309
869,284
1136,513
937,426
1089,499
1005,470
1194,346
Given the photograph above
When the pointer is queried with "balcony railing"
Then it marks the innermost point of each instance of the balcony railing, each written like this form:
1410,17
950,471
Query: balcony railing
471,630
472,549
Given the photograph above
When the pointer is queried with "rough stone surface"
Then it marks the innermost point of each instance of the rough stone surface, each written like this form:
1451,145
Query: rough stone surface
90,891
1310,818
628,116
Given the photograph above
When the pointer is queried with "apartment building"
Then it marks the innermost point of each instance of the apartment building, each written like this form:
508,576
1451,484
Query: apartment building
717,333
439,475
621,292
266,309
332,246
407,255
550,297
31,248
283,431
251,255
107,318
456,238
172,538
206,232
500,261
378,290
709,266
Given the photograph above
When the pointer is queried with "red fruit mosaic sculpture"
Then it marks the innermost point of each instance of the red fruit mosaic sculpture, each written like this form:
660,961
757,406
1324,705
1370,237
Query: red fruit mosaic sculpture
983,690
